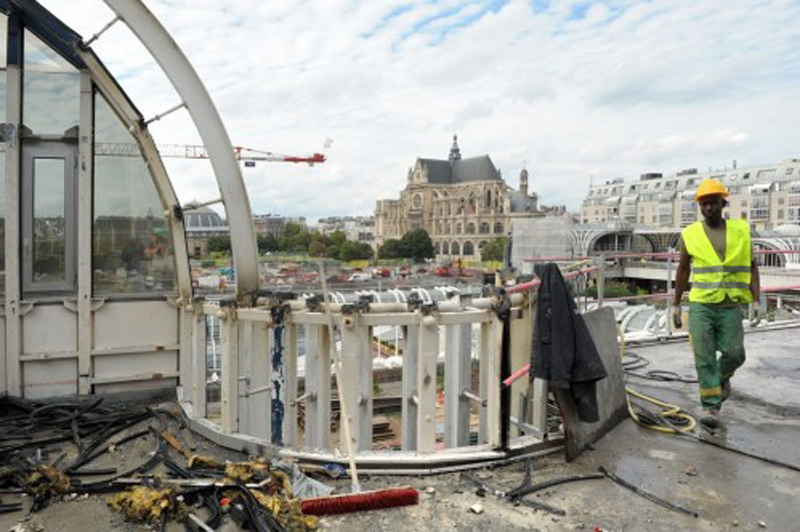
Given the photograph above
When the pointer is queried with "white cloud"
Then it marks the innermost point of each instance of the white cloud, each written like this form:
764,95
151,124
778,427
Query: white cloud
614,88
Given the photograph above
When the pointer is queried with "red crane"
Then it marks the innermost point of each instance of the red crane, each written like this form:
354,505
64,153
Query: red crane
187,151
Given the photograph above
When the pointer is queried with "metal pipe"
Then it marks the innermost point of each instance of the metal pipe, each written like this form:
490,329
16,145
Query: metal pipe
102,31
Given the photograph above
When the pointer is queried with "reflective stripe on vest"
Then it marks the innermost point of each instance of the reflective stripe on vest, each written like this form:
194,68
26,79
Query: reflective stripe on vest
712,278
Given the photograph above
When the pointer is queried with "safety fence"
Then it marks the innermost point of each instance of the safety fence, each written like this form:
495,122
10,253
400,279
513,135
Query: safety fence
450,406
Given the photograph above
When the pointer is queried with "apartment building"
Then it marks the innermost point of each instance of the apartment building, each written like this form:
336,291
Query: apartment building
767,196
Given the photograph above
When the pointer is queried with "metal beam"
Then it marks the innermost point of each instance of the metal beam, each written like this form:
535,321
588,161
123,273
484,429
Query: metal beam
212,131
13,372
85,209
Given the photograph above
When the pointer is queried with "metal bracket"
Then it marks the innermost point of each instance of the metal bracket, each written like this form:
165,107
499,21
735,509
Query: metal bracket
71,305
25,307
256,391
97,303
472,397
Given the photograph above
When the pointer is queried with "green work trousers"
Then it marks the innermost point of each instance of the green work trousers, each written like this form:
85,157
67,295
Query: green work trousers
712,329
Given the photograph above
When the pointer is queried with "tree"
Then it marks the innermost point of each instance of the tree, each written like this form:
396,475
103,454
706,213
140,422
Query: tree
219,243
417,245
391,249
267,243
337,238
494,250
317,248
355,251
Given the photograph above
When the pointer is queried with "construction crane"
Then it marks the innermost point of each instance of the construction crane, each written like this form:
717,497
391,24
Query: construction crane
248,156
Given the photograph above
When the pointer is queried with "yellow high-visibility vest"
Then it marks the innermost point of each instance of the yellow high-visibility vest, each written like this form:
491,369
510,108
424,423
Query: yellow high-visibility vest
713,279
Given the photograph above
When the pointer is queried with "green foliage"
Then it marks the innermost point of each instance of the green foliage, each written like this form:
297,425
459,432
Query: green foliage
391,250
267,243
611,289
417,245
494,249
219,243
354,251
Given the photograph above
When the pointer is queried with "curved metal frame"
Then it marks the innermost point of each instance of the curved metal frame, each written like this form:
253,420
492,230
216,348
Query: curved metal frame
201,108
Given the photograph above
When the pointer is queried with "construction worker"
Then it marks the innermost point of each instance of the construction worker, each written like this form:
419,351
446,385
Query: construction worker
724,278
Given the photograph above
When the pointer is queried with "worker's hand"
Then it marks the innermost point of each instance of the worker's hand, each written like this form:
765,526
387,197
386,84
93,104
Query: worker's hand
677,319
757,314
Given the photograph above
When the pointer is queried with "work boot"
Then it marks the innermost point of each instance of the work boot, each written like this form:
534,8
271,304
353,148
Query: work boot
710,417
726,389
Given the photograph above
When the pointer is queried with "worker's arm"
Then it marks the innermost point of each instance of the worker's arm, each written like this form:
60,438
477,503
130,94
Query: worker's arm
681,278
681,282
755,281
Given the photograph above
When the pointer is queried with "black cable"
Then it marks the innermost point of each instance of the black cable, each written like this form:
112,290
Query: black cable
649,496
555,482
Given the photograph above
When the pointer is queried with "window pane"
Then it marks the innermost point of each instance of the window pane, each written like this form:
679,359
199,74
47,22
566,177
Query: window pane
132,245
51,90
49,220
2,222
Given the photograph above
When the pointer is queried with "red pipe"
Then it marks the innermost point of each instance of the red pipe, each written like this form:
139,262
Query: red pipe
516,375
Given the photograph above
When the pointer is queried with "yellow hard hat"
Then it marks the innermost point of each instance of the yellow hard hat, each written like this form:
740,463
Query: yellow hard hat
711,187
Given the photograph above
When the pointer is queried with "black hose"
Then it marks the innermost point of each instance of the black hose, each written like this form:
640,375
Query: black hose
555,482
649,496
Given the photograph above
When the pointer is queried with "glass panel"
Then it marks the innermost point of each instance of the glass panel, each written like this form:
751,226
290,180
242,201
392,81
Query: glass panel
3,43
2,222
132,251
51,90
49,220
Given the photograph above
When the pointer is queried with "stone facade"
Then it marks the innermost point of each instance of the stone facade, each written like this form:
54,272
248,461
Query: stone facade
461,203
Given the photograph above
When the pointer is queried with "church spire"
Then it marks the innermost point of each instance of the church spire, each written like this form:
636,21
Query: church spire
455,153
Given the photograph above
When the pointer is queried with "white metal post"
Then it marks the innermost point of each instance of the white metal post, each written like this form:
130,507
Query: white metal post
410,364
245,332
426,385
260,379
85,172
483,380
290,384
198,383
229,331
318,388
13,294
457,373
492,396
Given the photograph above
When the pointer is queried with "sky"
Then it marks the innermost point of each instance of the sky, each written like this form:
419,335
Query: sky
573,91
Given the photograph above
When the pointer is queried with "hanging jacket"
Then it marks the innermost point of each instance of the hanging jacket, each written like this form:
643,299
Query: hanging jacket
563,351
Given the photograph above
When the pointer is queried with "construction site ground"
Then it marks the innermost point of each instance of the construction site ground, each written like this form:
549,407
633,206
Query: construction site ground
727,490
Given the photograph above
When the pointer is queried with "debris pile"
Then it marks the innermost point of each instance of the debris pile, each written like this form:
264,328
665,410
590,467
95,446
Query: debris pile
46,450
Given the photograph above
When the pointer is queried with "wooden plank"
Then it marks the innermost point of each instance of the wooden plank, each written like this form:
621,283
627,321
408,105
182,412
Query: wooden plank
426,385
12,383
230,372
318,386
483,386
260,416
290,379
351,372
84,219
410,386
198,384
364,334
492,396
458,355
245,332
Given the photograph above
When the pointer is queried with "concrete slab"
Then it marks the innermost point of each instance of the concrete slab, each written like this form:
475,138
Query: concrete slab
610,391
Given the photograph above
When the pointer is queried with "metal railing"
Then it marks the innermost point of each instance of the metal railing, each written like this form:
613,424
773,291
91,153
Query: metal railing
451,398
